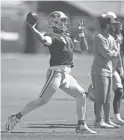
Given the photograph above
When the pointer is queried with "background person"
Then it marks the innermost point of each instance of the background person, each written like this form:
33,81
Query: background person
105,50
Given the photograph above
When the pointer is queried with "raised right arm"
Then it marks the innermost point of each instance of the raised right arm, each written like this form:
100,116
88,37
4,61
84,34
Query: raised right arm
44,39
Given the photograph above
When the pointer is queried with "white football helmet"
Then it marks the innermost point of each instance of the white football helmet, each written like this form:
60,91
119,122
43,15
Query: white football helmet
59,20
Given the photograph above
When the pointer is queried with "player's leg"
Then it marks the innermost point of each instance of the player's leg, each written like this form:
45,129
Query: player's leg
46,94
98,110
52,84
122,81
100,84
71,87
91,96
118,90
106,106
122,78
90,93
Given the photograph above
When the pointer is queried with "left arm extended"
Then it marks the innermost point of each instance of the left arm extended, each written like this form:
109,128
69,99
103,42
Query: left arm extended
82,42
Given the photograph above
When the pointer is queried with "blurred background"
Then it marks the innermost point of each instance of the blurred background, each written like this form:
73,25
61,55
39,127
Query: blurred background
16,36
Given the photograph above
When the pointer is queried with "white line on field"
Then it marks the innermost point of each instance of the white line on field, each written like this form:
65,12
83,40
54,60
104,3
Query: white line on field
45,121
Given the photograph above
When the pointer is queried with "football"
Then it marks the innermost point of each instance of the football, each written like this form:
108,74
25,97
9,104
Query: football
32,18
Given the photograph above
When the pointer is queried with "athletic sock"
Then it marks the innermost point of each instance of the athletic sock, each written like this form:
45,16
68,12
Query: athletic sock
80,122
117,115
19,115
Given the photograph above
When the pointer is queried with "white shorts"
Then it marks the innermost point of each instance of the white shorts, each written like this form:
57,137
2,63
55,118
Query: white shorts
59,77
116,81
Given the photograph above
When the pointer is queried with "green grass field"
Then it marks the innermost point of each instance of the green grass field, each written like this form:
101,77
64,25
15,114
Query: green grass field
22,77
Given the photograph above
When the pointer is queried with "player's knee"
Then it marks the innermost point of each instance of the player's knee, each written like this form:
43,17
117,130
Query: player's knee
118,93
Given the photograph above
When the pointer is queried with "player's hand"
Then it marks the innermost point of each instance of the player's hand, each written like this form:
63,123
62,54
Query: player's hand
81,26
32,19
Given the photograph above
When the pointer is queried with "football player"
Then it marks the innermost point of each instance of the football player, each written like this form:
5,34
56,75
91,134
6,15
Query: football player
61,48
118,73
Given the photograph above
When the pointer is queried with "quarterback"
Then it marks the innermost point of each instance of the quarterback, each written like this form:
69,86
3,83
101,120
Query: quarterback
61,48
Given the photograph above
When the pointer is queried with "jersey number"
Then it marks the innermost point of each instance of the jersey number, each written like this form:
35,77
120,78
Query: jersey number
69,45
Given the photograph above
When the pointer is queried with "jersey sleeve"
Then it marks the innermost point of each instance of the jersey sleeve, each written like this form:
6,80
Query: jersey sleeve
56,39
104,49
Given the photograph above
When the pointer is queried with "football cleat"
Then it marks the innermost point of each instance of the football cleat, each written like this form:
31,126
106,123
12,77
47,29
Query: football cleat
114,124
118,120
83,128
12,121
102,124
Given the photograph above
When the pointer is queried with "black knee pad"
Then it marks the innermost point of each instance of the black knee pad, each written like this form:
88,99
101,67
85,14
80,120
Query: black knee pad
118,93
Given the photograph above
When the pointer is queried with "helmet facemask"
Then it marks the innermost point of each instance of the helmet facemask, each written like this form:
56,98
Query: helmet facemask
59,20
